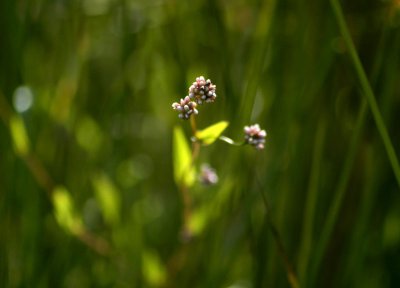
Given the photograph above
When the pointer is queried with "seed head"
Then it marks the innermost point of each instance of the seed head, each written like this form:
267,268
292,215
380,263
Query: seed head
186,107
254,136
202,91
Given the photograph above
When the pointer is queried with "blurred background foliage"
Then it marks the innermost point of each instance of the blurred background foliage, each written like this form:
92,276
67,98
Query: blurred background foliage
87,195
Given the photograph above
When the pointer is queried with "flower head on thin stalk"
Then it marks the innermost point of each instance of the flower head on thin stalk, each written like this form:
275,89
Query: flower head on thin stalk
254,136
202,91
186,107
208,176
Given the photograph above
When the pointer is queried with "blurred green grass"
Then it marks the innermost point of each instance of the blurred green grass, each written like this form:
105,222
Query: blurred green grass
86,89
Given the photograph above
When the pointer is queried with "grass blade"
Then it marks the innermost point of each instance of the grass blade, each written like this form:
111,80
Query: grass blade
307,234
369,94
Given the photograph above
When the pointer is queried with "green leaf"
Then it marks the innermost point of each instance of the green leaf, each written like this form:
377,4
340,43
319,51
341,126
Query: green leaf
198,220
153,269
19,135
182,159
64,211
108,197
89,135
211,133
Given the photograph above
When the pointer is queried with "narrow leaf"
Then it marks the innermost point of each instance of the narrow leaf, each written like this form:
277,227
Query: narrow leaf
19,135
108,197
182,159
199,218
64,210
153,269
211,133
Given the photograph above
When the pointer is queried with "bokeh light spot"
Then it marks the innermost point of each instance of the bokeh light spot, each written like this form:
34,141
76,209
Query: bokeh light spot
22,99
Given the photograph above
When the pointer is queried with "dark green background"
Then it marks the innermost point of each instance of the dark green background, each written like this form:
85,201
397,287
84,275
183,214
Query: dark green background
103,75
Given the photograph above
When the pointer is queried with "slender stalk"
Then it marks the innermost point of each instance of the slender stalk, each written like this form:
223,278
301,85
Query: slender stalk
355,263
196,144
307,235
187,211
339,193
275,233
186,197
257,58
343,180
369,94
195,152
178,258
230,141
193,124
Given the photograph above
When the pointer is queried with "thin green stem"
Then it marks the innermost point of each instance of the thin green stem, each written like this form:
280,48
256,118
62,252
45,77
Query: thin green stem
282,252
355,264
193,124
196,144
339,193
369,94
306,241
230,141
256,62
345,174
179,257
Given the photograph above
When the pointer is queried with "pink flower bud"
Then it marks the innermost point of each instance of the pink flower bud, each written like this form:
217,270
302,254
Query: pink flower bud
254,136
186,108
202,87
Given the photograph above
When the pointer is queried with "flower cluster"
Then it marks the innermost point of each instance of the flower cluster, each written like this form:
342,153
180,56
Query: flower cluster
186,107
254,136
202,91
208,176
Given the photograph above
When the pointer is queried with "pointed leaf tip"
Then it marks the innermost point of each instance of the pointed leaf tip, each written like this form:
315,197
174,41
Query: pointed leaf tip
211,133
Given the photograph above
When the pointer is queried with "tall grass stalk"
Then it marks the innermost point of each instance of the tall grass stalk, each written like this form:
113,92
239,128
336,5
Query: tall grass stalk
370,99
358,245
309,211
369,94
345,175
282,252
339,193
257,61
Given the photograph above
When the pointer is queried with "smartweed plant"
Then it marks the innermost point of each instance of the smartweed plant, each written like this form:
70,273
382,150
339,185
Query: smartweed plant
203,92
